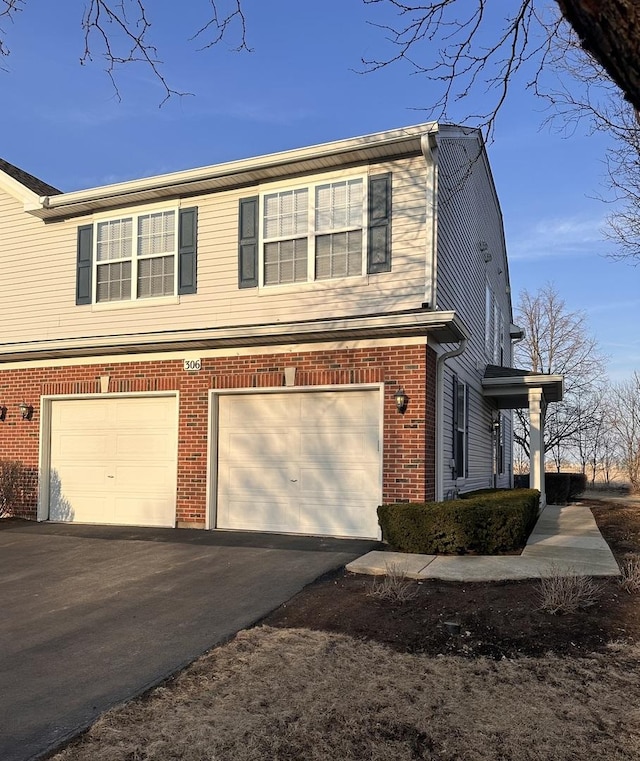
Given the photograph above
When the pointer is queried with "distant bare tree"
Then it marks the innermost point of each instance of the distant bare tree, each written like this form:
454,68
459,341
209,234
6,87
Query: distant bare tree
558,341
625,421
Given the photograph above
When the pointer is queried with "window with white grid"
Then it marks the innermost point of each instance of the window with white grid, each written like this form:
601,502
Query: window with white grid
136,257
313,233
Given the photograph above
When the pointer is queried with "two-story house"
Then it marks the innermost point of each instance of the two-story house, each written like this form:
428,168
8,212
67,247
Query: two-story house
279,343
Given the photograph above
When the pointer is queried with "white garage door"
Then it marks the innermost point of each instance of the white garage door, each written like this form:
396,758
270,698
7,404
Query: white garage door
114,460
299,462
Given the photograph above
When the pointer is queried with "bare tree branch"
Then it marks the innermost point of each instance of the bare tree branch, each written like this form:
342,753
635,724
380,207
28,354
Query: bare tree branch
8,10
120,32
464,52
221,25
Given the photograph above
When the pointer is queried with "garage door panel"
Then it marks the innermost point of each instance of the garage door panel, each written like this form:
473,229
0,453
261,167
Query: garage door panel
256,479
350,518
339,407
302,462
157,478
262,515
248,412
81,506
76,480
72,445
146,446
244,445
337,483
119,466
340,445
149,511
130,413
75,415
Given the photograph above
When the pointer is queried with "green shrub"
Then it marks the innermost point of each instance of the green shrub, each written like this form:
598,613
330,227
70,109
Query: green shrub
480,492
560,487
577,485
485,524
557,487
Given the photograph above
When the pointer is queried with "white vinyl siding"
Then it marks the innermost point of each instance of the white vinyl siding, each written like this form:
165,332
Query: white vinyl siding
136,266
48,253
313,233
472,280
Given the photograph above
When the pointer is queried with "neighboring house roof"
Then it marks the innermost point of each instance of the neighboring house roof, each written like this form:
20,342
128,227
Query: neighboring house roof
39,187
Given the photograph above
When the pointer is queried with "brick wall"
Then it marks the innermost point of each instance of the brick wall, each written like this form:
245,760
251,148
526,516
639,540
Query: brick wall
409,439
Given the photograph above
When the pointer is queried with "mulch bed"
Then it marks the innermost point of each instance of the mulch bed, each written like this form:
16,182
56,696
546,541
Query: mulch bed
498,620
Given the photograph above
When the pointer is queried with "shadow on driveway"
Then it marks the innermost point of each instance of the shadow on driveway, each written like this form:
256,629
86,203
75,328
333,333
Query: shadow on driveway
93,615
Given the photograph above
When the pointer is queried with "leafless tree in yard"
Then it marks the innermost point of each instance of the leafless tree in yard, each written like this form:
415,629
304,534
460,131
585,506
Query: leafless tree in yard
558,341
625,421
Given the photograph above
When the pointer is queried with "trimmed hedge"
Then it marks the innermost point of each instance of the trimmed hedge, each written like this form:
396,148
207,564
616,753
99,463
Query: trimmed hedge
485,524
560,487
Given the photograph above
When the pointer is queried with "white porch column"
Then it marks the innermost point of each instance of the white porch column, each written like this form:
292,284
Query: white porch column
536,442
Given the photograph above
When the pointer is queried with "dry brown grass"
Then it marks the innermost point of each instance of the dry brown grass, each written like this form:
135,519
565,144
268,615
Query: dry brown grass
312,696
566,591
630,574
394,586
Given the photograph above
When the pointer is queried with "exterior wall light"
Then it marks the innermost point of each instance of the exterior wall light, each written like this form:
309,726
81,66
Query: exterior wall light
26,410
401,400
3,413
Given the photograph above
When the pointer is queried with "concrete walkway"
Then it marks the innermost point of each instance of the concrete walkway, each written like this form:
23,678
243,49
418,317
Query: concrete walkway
565,539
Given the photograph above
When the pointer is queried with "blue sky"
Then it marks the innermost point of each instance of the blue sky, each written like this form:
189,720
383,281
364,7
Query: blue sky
302,85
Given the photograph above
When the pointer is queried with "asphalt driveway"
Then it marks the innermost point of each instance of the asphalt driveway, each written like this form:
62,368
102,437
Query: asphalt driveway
93,615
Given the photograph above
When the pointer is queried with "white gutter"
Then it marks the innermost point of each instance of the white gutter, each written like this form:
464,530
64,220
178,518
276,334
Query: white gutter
442,358
377,146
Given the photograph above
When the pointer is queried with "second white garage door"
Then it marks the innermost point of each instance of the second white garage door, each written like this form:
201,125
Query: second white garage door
300,462
114,460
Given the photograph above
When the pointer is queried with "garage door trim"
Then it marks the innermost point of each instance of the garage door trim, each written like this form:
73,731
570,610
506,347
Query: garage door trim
213,432
44,465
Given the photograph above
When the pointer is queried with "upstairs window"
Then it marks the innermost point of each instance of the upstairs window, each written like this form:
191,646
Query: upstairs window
321,231
137,256
313,233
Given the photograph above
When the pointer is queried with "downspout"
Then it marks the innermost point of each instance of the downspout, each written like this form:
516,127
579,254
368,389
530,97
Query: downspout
442,358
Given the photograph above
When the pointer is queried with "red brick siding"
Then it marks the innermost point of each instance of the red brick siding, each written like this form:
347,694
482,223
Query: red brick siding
409,439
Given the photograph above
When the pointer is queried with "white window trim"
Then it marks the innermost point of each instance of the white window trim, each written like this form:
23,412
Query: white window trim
134,301
311,185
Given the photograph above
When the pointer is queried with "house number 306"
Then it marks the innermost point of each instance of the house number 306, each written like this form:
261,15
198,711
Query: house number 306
192,365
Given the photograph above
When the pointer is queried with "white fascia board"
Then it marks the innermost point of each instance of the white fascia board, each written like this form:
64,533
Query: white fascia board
18,191
508,385
444,324
231,173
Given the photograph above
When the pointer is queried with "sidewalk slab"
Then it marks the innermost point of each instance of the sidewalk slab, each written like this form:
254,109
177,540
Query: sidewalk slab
564,540
377,563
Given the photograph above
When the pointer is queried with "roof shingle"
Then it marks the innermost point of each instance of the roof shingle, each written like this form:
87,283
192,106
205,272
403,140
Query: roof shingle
28,180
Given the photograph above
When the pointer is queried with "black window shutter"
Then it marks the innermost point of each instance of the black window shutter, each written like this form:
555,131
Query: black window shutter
248,243
187,250
84,264
379,248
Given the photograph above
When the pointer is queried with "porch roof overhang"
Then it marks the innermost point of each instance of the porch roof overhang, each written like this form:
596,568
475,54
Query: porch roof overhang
442,327
509,387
